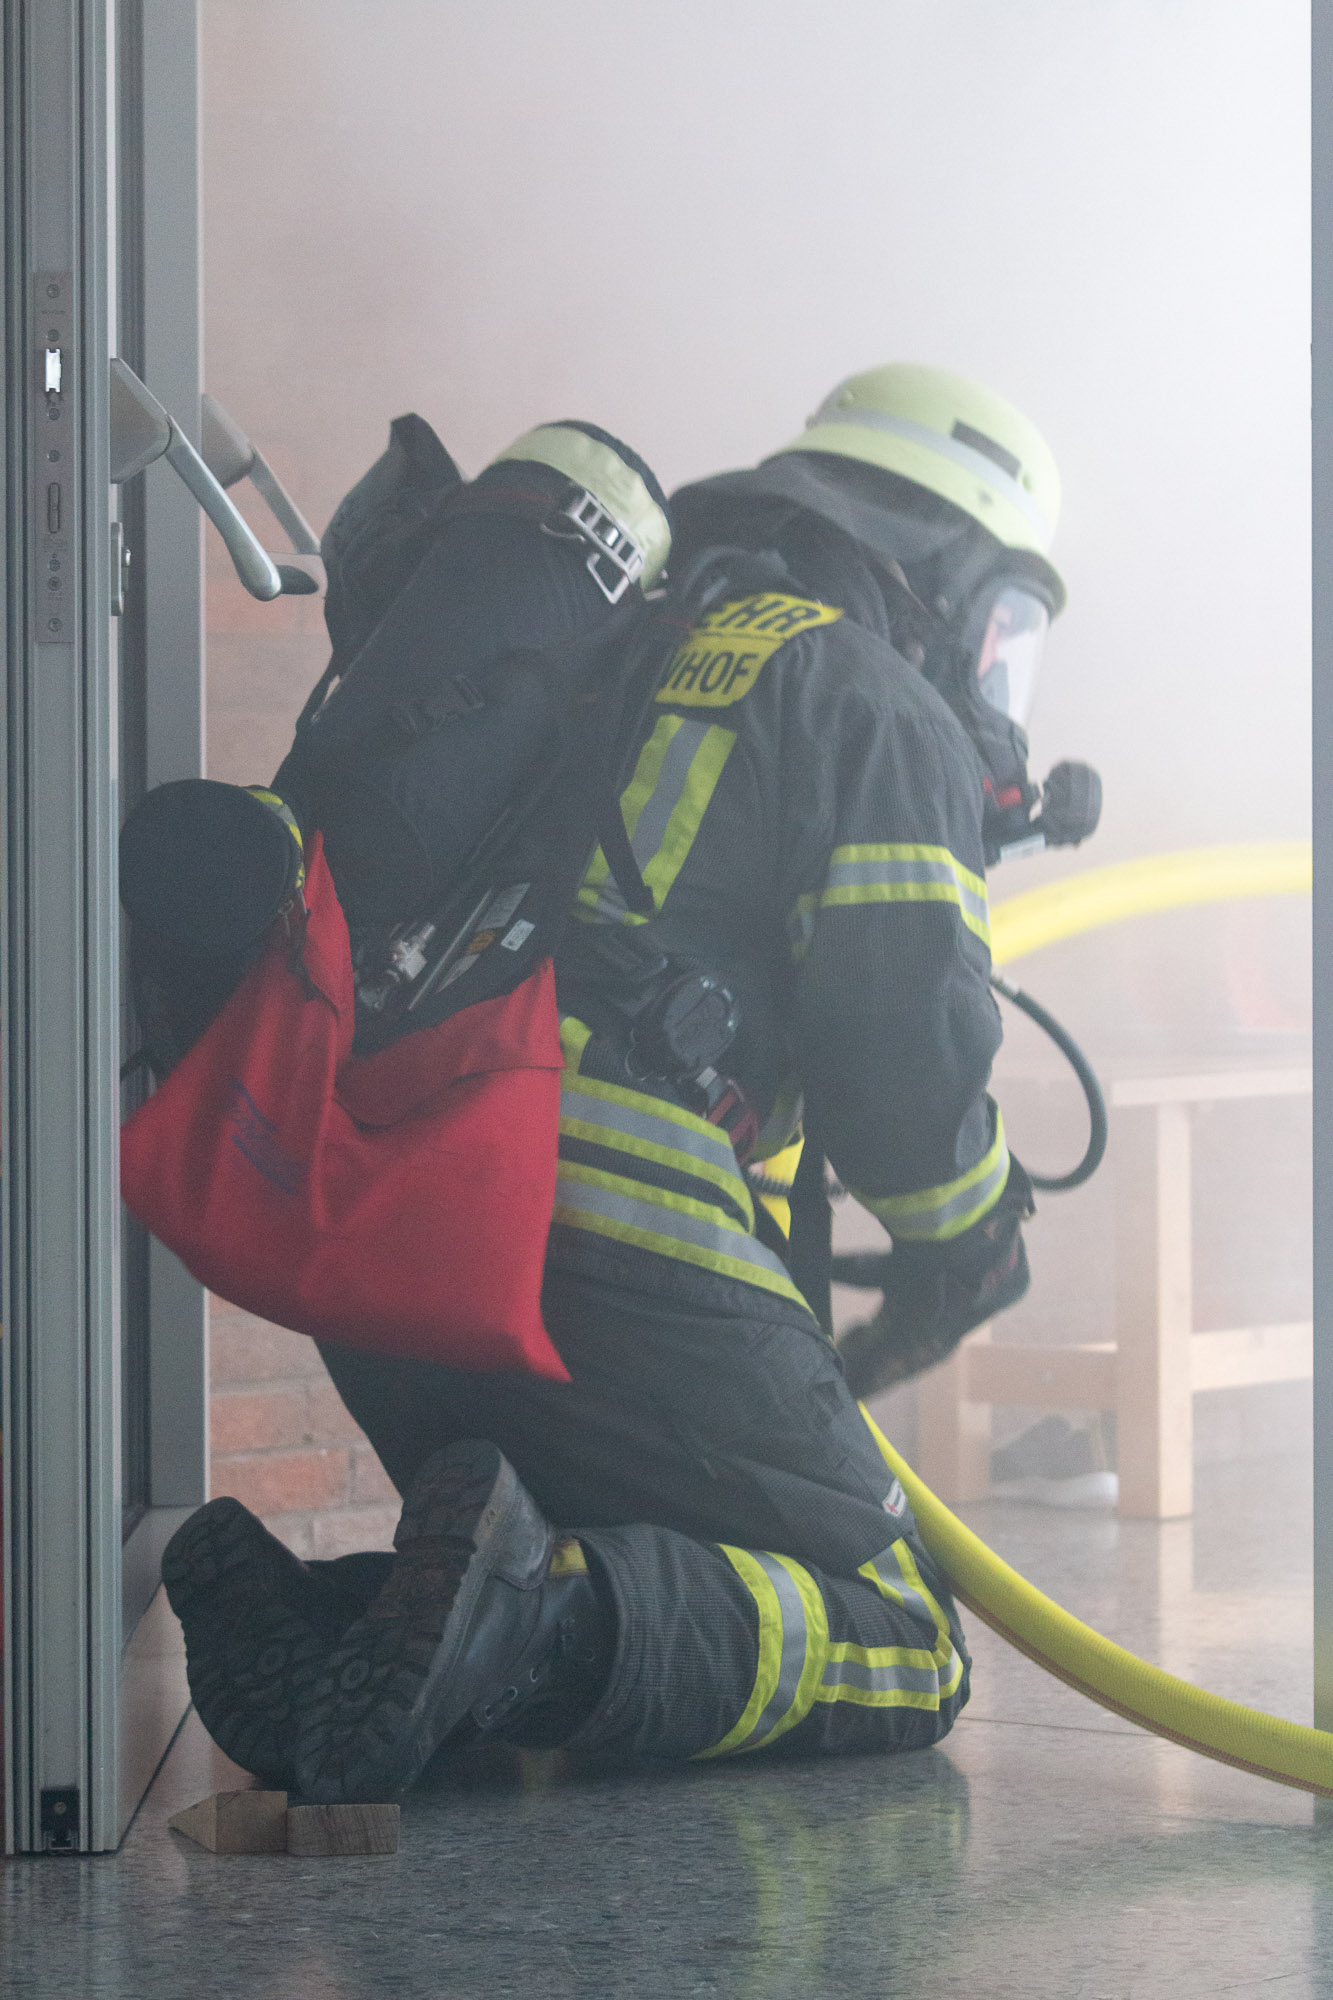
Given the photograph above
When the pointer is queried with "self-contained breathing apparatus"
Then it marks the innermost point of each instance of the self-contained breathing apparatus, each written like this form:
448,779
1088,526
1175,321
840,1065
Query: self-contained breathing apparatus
459,788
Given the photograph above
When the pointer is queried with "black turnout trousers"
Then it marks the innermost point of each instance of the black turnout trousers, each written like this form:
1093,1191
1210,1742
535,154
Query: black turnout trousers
768,1579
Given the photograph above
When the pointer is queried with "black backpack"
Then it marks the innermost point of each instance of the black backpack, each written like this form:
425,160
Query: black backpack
493,654
463,753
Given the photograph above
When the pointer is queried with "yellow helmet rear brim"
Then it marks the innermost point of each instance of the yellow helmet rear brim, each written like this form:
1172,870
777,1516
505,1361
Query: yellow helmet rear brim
943,466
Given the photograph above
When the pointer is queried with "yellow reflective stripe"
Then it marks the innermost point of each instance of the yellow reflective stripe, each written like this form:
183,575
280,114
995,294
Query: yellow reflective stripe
946,1654
638,1100
948,1661
574,1038
897,1697
936,1214
816,1647
769,1664
633,799
683,825
906,892
907,851
709,1140
881,1656
791,1655
705,1151
904,872
693,1232
678,1204
663,805
881,1677
280,807
663,1156
780,1168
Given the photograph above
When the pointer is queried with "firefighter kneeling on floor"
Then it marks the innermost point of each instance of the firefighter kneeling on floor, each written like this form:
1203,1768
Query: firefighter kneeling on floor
693,1547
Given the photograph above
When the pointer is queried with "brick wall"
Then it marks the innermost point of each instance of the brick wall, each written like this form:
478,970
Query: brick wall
284,1445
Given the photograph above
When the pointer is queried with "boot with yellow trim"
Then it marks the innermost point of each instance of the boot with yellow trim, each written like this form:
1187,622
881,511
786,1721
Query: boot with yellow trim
487,1615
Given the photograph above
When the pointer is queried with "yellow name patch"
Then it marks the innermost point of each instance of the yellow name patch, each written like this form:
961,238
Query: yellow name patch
720,661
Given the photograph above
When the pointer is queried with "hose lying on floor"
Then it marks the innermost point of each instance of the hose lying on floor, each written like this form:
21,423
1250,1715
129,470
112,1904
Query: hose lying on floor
1029,1621
1119,1680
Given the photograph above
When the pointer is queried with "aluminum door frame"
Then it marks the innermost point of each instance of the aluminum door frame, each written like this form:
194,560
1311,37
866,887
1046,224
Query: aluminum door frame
58,986
84,1720
1322,412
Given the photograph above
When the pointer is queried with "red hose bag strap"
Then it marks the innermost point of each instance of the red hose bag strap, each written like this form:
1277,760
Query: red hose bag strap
399,1202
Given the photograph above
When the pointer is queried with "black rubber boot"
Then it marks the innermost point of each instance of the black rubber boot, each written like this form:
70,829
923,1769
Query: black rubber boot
259,1624
476,1620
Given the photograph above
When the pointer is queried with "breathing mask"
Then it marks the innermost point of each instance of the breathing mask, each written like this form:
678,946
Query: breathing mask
979,643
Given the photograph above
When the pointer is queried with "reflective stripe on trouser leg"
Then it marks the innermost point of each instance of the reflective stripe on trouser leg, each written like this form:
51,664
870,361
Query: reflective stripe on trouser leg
723,1651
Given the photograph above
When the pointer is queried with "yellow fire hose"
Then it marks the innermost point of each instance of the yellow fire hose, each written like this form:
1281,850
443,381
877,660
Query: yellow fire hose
1105,1672
1021,1614
1103,896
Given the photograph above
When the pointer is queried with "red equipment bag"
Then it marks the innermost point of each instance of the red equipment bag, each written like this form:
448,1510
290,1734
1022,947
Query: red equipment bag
399,1201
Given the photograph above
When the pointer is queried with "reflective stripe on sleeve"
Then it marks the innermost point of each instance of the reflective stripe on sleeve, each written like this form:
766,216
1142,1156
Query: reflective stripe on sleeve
793,1644
936,1214
904,872
663,805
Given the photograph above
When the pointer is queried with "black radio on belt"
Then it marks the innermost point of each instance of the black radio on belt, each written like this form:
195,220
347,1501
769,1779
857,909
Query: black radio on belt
684,1030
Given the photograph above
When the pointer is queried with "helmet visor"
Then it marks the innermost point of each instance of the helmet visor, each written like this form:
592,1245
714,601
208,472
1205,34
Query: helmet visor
1010,651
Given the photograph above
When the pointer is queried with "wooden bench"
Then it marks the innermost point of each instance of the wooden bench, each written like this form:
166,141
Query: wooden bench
1150,1373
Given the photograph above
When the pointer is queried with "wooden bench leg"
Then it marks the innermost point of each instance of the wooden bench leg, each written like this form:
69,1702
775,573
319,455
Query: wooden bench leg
953,1434
1154,1314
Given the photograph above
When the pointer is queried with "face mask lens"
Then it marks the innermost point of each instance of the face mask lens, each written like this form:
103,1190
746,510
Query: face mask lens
1011,652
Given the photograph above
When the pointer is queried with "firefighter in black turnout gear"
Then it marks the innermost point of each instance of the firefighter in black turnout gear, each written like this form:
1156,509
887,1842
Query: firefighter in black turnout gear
694,1547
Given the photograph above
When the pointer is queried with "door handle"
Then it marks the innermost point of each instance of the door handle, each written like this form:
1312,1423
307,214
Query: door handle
142,431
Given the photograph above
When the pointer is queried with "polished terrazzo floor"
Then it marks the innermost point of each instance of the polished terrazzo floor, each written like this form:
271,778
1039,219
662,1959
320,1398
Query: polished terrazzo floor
1048,1849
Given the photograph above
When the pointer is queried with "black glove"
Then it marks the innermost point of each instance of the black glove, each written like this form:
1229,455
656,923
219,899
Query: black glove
934,1293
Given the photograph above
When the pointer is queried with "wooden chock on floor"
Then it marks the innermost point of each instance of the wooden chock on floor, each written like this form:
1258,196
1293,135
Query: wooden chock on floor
342,1829
264,1823
236,1823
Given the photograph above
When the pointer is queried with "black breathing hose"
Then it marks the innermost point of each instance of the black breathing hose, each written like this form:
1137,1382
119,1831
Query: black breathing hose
1082,1068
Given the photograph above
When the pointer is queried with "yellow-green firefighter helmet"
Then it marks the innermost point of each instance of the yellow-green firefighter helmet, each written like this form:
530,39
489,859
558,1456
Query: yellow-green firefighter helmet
951,436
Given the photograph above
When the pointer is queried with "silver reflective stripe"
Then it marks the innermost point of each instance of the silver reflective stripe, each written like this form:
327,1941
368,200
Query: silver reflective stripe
795,1640
885,1570
865,874
975,462
974,1199
881,1680
574,1196
666,795
887,1573
704,1142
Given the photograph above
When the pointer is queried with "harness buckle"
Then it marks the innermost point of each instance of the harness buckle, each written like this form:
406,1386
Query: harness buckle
616,560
